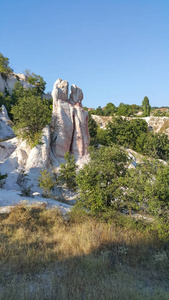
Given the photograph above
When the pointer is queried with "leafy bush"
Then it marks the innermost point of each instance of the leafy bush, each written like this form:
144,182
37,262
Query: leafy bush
36,80
46,181
100,180
31,114
67,172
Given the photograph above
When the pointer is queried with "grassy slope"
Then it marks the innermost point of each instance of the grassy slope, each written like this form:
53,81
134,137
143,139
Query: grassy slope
45,257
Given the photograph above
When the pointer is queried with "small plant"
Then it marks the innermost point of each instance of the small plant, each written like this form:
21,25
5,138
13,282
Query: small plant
68,172
46,182
26,192
22,181
2,179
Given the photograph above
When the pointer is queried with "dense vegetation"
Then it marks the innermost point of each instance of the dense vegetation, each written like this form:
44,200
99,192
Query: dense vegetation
133,134
122,110
132,110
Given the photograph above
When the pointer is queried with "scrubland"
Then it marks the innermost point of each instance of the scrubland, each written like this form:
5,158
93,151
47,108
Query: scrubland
44,255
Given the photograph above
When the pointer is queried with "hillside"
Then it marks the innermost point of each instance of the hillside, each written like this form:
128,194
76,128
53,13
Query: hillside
157,124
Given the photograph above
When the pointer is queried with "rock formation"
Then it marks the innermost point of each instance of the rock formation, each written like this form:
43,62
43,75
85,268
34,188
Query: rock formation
69,121
68,131
6,131
9,82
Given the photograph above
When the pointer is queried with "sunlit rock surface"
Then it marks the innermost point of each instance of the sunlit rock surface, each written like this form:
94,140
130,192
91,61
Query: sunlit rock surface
68,131
69,121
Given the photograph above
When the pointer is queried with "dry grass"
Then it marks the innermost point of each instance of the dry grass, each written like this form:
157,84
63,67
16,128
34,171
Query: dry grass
165,126
44,256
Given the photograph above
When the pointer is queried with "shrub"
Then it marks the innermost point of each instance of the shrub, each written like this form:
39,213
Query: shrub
67,172
46,182
31,114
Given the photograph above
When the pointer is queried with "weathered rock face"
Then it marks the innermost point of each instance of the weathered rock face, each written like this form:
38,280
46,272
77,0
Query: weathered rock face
18,156
6,131
69,121
76,95
9,82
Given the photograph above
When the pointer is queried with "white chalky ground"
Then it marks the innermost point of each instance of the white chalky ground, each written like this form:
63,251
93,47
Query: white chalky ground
9,198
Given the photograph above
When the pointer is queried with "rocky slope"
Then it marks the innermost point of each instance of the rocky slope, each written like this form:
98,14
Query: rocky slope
7,83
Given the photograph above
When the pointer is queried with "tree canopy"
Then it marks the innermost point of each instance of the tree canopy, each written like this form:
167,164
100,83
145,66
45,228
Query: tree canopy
30,114
100,180
5,69
146,107
36,80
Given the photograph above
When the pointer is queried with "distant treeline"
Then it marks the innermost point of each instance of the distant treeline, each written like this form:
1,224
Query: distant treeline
128,110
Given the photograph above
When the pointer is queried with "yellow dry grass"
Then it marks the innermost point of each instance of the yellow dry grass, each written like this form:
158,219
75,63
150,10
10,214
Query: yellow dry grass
48,257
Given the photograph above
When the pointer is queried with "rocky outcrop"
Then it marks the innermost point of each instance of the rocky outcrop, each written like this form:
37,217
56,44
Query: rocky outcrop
6,131
69,121
68,131
9,82
158,124
18,156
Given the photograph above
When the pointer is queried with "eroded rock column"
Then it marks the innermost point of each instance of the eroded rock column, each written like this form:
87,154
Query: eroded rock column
69,125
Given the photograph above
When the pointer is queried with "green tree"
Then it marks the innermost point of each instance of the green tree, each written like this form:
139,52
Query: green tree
67,172
36,80
5,69
100,180
31,114
99,111
46,181
92,125
125,132
125,110
146,107
109,109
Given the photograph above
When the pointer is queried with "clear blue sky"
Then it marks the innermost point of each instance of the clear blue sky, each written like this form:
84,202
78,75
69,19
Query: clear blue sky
115,50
